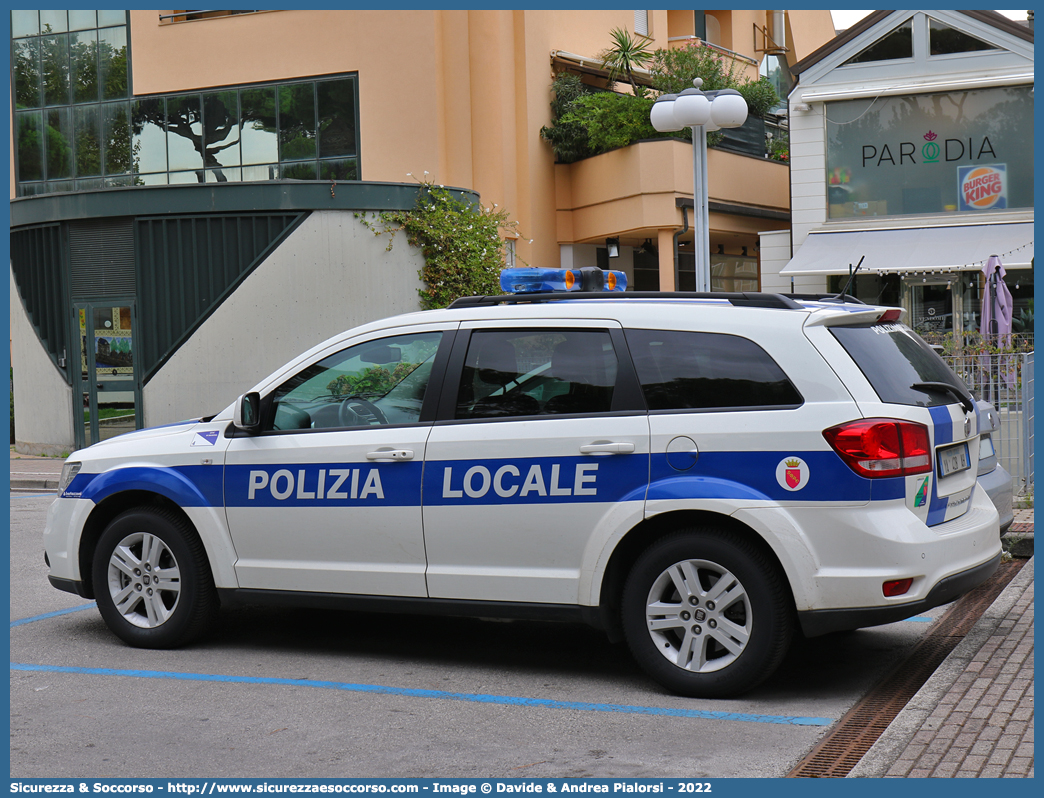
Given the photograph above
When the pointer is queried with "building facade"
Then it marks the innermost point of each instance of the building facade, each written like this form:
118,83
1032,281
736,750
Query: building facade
913,154
185,185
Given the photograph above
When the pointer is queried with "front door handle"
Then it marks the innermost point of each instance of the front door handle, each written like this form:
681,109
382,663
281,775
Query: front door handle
390,454
607,447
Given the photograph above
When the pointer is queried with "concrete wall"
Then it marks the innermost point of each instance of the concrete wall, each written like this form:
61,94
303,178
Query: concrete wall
43,400
330,275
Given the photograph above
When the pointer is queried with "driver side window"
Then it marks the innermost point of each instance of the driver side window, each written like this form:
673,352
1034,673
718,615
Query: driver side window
376,382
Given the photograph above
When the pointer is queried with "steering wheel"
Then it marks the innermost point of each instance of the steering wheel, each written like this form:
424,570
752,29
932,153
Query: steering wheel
355,410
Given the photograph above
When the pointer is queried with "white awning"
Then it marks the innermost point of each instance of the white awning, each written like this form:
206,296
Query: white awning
919,249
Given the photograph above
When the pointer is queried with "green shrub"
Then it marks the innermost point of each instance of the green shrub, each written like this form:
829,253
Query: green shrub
568,139
463,250
612,120
674,70
586,122
779,147
761,96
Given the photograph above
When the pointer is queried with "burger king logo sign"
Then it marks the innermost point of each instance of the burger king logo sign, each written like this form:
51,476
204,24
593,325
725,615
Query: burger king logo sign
982,188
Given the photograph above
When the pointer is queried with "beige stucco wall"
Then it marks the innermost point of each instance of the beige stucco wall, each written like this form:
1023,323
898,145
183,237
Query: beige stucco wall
632,190
458,94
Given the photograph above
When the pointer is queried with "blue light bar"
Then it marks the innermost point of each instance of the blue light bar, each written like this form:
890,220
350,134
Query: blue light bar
531,280
615,281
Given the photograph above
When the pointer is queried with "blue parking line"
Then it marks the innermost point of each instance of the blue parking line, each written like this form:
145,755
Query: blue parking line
54,614
478,698
919,619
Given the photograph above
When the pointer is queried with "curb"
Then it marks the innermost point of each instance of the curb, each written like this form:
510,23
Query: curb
34,485
1018,540
897,737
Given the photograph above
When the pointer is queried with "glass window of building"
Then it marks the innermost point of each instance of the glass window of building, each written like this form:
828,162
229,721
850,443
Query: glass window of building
77,125
897,44
69,62
776,69
958,152
944,40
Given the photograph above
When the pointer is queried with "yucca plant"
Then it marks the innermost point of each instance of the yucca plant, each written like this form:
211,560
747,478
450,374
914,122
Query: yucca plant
626,54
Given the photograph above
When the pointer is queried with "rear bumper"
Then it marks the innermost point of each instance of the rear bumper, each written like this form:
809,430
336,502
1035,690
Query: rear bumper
997,484
821,622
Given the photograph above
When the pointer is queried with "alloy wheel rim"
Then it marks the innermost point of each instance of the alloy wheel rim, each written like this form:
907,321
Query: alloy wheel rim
144,580
698,616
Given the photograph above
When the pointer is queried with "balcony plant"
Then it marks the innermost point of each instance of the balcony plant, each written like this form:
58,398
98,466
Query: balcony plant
587,122
623,56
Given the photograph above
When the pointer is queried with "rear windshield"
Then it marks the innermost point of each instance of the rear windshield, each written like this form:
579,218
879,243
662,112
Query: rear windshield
894,358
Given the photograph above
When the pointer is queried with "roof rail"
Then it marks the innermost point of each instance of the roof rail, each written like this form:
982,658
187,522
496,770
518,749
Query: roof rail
740,299
839,298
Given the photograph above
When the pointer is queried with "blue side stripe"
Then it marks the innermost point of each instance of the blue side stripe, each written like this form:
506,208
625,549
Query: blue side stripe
748,476
478,698
942,425
752,475
188,486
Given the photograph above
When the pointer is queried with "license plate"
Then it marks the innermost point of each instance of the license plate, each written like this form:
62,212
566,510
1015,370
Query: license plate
953,459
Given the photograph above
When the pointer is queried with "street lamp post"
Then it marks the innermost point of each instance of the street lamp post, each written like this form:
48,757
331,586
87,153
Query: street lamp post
703,112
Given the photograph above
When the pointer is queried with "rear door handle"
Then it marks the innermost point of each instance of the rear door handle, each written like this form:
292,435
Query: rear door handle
607,447
390,454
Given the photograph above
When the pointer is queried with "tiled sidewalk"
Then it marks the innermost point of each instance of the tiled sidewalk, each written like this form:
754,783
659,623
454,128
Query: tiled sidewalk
974,717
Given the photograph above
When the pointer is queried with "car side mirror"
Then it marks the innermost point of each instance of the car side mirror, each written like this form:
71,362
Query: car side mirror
247,415
382,354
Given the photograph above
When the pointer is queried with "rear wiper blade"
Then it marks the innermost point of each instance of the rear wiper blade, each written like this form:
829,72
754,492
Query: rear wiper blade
966,401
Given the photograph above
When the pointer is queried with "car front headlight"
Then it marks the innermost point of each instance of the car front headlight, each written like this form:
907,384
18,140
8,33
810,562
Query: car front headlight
69,472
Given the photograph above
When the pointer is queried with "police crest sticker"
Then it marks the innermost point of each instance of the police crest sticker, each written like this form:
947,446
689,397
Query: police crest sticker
792,473
208,438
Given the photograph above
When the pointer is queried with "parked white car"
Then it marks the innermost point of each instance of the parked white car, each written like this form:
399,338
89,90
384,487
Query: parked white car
703,475
993,477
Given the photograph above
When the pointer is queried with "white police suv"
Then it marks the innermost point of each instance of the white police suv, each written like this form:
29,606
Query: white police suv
701,474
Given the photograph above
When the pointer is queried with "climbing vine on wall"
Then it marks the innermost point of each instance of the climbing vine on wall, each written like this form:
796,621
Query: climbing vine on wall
461,242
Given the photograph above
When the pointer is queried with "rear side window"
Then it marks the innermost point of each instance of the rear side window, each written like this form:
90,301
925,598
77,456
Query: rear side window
537,373
894,358
707,371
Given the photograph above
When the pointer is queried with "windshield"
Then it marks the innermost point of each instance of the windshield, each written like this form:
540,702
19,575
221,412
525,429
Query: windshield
894,359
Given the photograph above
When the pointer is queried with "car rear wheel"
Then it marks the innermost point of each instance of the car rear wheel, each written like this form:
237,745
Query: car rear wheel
706,613
152,580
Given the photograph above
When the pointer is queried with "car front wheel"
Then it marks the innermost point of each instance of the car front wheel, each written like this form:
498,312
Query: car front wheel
152,580
706,613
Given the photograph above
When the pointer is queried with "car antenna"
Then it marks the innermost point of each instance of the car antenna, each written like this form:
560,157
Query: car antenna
851,277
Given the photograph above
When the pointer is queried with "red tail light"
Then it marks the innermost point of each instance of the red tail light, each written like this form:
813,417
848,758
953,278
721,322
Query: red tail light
896,587
882,447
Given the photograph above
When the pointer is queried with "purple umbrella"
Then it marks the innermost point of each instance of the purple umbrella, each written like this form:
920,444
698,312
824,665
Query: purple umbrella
996,303
996,314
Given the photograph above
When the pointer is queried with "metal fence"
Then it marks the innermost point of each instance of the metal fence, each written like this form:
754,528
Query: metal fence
1005,380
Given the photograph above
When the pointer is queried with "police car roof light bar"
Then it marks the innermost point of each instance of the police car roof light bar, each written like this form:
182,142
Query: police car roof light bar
533,280
738,299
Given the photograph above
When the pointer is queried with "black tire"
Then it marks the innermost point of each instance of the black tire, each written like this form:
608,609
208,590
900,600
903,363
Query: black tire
152,580
726,643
